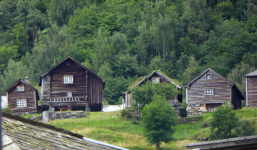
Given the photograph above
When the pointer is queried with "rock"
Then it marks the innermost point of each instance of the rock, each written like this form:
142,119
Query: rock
33,117
74,113
74,117
68,115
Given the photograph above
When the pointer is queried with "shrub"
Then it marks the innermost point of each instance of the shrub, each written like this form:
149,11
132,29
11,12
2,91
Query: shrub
7,110
245,128
224,120
125,114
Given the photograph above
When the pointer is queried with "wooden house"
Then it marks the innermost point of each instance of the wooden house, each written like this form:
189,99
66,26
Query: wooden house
69,84
22,97
154,77
251,89
209,90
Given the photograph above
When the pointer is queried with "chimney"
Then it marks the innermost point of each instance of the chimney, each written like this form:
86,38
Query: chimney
27,79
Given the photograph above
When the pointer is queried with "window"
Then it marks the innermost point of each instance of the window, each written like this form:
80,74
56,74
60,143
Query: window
208,91
208,76
20,88
68,79
69,94
21,103
156,80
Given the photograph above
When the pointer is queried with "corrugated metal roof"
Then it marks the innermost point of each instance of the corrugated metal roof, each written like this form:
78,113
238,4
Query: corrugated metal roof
252,74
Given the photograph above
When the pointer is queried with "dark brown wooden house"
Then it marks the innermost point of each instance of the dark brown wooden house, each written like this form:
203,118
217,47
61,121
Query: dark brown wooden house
209,90
22,97
155,77
69,84
251,89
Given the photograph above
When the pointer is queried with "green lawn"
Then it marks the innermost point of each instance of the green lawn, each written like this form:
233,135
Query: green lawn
129,135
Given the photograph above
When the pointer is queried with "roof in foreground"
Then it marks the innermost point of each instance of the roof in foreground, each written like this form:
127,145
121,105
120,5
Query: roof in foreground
21,133
231,143
252,74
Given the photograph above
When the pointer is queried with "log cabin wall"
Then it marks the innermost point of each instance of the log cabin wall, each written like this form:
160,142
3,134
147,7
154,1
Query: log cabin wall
95,90
54,87
29,94
221,90
251,91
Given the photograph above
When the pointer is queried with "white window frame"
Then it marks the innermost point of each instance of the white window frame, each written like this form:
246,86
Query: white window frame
208,91
155,79
69,93
68,79
209,76
21,88
21,103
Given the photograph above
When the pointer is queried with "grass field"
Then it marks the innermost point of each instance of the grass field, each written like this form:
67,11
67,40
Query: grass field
110,127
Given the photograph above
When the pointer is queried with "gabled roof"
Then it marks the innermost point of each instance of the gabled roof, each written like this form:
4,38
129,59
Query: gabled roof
205,71
22,133
17,82
162,75
252,74
74,60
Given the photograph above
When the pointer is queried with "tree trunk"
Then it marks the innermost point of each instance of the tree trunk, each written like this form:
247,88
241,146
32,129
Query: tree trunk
158,147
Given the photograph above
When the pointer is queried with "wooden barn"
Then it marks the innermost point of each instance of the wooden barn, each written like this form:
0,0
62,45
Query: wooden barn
23,97
70,85
251,89
155,77
209,90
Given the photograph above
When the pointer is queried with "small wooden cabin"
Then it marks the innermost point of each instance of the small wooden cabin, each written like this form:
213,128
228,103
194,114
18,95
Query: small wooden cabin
155,77
251,89
23,97
69,84
209,90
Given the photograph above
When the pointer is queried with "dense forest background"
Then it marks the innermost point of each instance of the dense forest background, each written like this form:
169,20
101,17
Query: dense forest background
122,40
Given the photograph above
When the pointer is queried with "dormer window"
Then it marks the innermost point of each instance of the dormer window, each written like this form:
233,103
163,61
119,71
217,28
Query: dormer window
20,88
156,80
208,76
68,79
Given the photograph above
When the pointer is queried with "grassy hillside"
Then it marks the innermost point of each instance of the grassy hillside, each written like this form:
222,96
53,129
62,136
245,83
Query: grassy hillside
129,135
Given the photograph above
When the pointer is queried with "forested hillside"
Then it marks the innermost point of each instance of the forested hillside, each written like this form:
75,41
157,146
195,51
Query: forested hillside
122,40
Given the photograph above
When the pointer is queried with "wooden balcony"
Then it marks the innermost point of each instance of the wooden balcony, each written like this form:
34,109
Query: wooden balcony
66,99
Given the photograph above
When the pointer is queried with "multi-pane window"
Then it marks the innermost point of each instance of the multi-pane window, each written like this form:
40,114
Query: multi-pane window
156,80
21,103
208,91
20,88
69,94
208,76
68,79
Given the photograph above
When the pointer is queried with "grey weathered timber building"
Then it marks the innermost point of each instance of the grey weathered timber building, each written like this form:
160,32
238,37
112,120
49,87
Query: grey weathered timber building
70,84
209,90
154,77
22,97
251,89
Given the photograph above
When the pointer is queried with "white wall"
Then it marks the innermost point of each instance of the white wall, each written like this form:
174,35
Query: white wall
108,108
4,102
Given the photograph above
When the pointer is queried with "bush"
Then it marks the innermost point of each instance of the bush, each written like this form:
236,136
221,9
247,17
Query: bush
7,110
125,114
134,121
245,128
224,120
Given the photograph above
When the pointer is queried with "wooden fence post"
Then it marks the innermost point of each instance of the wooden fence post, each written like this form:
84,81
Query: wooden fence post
185,133
88,121
115,124
100,121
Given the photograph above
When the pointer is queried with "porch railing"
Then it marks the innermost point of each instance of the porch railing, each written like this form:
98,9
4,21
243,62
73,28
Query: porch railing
65,99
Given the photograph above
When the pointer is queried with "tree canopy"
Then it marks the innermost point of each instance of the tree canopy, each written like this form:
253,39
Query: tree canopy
123,40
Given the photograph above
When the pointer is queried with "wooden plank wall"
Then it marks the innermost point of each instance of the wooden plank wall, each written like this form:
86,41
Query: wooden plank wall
95,90
29,94
57,86
252,91
196,92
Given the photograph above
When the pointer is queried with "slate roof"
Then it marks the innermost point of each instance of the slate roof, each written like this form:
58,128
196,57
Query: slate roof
17,82
74,60
162,75
22,133
252,74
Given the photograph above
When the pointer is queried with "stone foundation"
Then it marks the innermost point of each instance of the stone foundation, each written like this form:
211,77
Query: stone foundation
196,109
